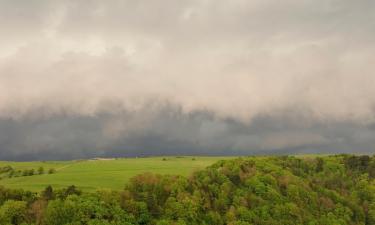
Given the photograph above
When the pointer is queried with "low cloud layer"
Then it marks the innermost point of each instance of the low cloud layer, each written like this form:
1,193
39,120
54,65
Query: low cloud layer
86,78
169,131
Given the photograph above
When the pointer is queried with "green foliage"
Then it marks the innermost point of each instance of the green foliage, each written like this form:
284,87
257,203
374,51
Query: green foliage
51,171
89,209
13,212
330,190
41,170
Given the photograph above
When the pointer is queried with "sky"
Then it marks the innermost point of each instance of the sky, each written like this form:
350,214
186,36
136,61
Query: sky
81,79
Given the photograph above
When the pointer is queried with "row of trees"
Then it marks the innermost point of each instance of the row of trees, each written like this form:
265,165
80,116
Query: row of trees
9,172
332,190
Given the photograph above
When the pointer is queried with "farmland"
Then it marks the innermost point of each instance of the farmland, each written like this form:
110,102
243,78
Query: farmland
90,175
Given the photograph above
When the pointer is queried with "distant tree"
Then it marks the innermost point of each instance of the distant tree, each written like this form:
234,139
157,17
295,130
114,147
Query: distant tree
28,172
25,172
371,169
48,193
6,169
71,190
364,162
31,172
319,164
40,170
11,173
51,171
356,162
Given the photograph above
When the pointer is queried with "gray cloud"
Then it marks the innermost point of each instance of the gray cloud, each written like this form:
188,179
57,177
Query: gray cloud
167,130
83,78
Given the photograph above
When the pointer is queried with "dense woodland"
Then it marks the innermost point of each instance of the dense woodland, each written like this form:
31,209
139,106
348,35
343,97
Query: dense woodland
329,190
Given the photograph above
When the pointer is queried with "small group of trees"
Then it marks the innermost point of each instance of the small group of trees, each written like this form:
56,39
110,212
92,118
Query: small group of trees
28,172
362,164
9,172
330,190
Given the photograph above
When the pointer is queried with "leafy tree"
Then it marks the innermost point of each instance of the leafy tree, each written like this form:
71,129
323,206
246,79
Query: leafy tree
319,164
13,212
48,193
51,171
40,170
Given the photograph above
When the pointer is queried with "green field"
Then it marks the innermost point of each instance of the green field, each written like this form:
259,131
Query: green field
93,174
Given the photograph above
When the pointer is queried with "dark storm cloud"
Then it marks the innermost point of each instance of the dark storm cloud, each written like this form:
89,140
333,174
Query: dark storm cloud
169,131
85,78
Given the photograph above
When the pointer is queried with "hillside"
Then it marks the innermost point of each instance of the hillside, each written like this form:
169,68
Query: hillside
89,175
330,190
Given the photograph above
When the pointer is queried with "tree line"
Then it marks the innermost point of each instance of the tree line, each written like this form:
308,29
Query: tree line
9,172
329,190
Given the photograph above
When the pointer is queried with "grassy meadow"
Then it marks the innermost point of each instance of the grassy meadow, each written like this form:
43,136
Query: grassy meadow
94,174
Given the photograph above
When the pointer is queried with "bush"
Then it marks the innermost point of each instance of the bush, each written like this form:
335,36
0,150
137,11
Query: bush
51,171
28,172
41,170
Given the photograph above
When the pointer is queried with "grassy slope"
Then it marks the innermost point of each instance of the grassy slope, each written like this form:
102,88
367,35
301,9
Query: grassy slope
91,175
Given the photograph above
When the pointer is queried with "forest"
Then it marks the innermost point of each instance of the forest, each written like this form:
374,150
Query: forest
264,190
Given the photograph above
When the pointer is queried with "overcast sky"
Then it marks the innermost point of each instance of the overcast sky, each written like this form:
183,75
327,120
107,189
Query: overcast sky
80,79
